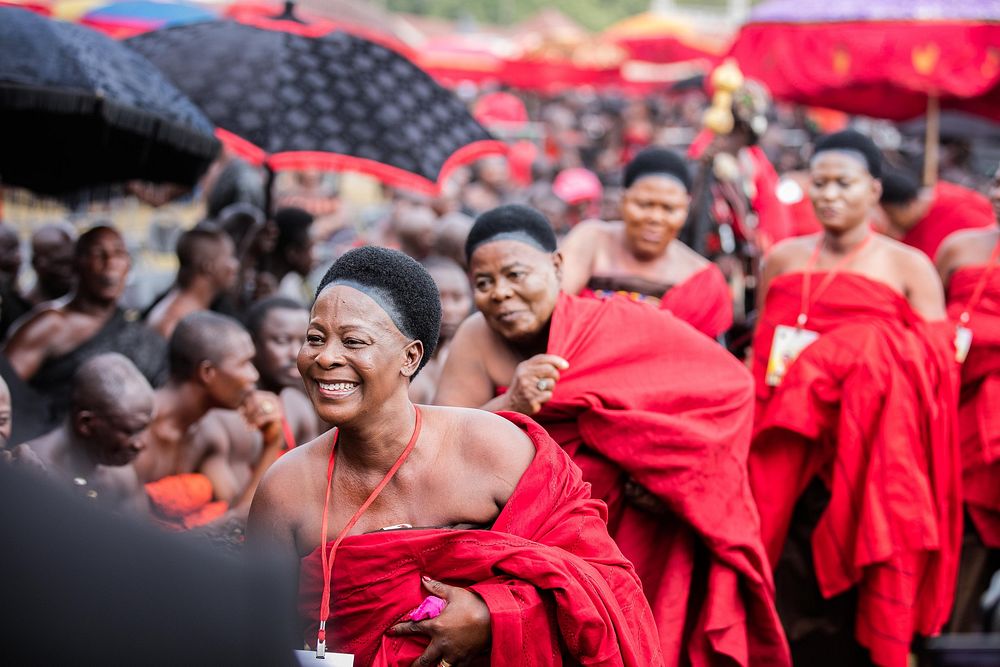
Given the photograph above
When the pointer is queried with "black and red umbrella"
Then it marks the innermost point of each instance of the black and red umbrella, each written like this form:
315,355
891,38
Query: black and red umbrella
291,95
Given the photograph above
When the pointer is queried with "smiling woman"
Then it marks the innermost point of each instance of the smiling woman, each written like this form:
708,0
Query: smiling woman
415,497
641,256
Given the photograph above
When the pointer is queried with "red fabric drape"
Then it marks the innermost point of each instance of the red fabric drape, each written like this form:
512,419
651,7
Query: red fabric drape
558,589
703,301
870,408
978,412
184,501
672,410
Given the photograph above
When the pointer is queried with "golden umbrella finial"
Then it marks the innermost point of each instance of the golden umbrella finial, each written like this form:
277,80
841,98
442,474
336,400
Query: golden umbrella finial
726,79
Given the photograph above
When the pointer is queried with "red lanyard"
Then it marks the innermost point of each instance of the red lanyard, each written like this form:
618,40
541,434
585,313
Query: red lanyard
807,279
324,609
977,293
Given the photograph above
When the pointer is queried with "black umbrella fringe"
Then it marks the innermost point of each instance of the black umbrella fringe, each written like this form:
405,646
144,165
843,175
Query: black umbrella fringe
118,142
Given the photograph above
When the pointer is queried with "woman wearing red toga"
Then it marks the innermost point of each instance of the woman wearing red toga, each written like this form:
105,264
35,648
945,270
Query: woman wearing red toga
854,458
443,535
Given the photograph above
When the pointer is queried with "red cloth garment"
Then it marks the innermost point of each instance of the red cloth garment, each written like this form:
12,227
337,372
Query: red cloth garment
647,397
955,208
978,411
870,408
703,301
558,589
184,501
774,217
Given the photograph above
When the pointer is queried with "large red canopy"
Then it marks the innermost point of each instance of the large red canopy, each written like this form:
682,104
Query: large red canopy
881,58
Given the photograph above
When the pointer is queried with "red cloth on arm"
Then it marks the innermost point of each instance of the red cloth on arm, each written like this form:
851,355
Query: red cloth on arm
954,208
703,301
558,589
184,501
646,396
979,406
869,408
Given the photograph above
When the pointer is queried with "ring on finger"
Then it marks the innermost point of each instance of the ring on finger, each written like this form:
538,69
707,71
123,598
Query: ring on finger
444,663
267,408
544,384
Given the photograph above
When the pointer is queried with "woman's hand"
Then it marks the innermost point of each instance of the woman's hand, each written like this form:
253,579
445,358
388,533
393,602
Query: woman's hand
533,382
459,634
642,498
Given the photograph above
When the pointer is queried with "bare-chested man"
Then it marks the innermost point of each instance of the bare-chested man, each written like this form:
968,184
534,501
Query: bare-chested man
92,451
456,305
52,259
211,366
208,267
278,328
49,344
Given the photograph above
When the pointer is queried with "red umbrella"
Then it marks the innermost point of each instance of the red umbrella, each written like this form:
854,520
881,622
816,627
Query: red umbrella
894,59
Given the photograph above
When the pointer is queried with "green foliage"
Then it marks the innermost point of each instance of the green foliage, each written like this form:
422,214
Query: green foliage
592,14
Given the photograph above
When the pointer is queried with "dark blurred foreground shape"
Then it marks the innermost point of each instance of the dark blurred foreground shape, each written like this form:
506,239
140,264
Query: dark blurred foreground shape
81,587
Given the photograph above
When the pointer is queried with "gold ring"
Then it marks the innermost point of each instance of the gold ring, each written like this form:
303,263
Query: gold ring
267,408
444,663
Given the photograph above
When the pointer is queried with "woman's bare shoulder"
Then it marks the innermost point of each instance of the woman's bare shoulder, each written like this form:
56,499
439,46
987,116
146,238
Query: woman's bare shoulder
487,440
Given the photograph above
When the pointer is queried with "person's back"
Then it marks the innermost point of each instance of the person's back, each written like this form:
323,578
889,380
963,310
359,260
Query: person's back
207,268
968,264
924,217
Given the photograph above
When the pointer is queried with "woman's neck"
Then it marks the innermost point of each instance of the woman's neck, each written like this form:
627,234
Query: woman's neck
844,242
377,443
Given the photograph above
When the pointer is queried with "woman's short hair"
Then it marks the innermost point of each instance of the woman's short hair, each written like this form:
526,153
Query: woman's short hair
397,283
511,222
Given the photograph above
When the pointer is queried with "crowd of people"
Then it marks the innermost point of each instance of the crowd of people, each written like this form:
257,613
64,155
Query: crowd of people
598,402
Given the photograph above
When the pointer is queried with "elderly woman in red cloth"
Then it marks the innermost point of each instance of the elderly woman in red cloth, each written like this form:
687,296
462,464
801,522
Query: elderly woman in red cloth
431,534
658,417
854,463
967,262
641,256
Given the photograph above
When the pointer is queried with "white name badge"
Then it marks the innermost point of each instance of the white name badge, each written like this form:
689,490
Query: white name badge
963,342
787,345
309,659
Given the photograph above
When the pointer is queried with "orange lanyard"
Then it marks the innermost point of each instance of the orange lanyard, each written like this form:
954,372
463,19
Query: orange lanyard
807,279
977,293
324,609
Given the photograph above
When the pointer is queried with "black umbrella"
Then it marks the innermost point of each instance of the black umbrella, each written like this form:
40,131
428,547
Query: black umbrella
295,96
78,110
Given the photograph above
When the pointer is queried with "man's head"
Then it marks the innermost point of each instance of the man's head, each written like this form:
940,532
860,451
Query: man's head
206,253
278,328
901,199
6,418
453,288
845,170
110,406
216,353
414,227
294,247
52,249
10,253
452,231
515,269
102,264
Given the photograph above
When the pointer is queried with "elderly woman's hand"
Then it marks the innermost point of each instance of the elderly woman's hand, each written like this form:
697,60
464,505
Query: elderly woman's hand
534,380
459,634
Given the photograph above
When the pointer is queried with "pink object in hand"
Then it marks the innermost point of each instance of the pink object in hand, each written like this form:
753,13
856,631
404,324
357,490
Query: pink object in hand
431,607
